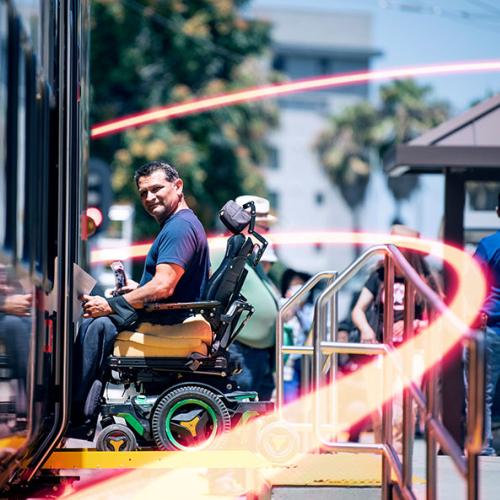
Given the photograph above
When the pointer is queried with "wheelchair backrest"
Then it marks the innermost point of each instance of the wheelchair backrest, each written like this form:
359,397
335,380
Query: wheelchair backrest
224,286
227,280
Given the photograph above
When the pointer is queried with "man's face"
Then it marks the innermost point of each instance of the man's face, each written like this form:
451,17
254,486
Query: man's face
160,198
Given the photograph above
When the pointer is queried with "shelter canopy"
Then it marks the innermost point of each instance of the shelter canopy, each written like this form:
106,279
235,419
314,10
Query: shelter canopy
468,144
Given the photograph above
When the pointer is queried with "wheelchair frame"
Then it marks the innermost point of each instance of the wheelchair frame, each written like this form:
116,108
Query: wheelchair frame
196,386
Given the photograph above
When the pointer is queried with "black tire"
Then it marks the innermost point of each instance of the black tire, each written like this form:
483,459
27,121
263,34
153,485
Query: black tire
278,442
116,437
207,421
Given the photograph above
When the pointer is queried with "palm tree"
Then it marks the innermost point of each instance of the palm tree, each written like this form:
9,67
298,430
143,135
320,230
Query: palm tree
346,152
406,111
355,140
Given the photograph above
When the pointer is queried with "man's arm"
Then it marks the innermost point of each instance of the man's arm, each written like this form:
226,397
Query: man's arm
161,287
359,315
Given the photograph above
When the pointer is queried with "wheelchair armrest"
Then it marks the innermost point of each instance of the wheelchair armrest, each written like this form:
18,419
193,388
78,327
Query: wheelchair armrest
236,307
161,306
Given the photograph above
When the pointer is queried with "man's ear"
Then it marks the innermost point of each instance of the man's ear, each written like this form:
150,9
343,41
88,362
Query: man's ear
179,184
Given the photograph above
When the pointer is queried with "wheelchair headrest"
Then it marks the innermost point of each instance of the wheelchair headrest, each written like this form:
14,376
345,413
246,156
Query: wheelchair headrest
236,219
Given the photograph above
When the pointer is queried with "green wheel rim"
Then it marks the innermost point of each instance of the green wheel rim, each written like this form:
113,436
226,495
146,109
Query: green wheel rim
185,402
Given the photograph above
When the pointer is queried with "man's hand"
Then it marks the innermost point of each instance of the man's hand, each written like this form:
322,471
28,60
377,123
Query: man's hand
398,331
131,285
17,305
367,336
95,306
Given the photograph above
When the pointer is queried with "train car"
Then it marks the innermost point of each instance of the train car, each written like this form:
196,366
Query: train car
43,155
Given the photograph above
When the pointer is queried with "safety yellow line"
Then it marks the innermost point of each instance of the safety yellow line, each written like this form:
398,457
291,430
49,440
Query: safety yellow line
12,442
91,459
339,469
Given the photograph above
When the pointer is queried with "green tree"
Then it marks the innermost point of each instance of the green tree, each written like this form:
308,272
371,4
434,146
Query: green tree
356,139
346,152
407,111
150,53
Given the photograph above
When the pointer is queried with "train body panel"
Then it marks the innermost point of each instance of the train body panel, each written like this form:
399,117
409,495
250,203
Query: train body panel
43,137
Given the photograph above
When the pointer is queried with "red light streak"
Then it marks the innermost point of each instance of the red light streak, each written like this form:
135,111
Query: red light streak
268,91
140,250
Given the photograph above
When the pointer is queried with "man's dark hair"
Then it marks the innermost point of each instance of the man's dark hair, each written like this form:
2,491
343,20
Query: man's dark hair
170,172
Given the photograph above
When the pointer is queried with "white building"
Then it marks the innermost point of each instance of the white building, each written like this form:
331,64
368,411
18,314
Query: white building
309,44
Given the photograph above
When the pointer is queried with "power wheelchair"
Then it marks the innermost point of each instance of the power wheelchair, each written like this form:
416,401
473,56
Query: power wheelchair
180,394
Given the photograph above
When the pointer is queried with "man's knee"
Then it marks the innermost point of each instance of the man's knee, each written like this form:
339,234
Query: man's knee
97,330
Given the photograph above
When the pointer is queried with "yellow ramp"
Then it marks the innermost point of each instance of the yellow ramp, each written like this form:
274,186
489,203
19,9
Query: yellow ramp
337,469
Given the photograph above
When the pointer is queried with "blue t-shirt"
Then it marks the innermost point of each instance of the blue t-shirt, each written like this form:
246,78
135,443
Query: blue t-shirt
488,256
182,241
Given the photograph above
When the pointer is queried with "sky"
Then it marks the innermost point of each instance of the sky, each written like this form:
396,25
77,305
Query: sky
417,32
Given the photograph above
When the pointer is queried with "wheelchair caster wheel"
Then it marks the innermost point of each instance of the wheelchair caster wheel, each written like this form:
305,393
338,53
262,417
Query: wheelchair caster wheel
116,437
189,418
278,442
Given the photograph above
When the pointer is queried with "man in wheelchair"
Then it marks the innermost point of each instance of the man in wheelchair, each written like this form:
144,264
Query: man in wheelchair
166,338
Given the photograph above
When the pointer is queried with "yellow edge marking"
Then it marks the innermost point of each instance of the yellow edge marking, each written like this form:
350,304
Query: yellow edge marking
12,442
328,469
90,459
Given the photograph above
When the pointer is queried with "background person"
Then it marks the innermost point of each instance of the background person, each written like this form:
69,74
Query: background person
255,345
368,314
297,325
488,256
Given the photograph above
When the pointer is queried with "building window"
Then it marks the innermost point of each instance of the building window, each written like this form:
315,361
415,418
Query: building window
274,201
325,66
483,195
279,63
272,157
320,198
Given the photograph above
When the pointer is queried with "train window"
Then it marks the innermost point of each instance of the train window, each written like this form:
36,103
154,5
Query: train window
21,154
31,230
42,165
13,51
3,117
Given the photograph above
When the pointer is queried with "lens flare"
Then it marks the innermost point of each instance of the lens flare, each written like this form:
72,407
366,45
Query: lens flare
275,90
433,343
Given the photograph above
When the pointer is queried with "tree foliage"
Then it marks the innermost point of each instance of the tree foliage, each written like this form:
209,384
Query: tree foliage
356,139
150,53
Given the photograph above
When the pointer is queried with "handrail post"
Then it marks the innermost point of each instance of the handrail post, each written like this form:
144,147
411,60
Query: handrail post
333,358
408,414
386,378
475,414
319,327
431,449
279,332
279,364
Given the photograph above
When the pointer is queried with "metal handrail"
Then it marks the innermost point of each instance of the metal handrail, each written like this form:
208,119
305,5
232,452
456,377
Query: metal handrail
467,466
280,350
436,432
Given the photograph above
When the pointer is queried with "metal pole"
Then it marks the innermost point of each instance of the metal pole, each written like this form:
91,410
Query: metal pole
332,375
408,416
475,415
319,328
430,449
387,405
279,363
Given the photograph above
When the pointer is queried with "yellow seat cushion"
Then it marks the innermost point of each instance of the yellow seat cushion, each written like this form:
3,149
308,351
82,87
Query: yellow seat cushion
173,341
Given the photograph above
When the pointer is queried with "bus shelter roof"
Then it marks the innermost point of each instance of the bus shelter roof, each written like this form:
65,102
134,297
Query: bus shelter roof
468,144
